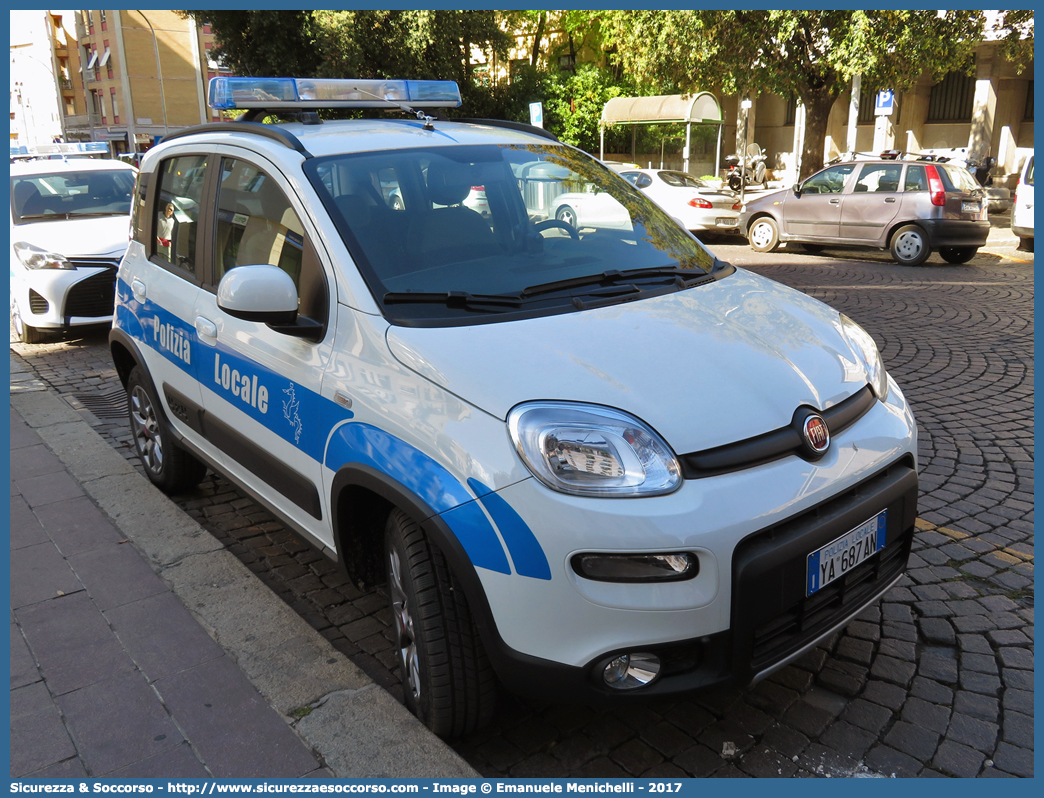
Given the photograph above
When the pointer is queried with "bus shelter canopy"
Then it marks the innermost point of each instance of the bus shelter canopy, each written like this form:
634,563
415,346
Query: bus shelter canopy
701,108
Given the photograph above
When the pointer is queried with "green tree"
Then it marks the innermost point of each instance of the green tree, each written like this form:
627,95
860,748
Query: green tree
809,54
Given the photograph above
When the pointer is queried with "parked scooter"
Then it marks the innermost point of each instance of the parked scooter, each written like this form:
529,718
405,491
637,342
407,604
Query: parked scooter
755,168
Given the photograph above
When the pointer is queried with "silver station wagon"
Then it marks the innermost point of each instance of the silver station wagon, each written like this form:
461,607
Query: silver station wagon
908,207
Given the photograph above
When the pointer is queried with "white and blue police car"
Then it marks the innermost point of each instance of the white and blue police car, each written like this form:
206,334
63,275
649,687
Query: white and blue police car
595,461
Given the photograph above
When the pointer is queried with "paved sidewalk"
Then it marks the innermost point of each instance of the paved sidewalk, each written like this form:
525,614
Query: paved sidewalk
113,675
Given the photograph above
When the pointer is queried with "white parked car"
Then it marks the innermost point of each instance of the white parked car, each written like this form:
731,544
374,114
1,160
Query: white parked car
69,228
594,460
1022,211
692,202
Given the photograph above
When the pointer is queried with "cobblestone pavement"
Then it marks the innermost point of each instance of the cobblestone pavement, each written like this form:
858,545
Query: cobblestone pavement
934,680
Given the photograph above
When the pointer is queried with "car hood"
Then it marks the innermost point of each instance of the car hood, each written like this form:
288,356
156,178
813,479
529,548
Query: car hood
706,366
94,237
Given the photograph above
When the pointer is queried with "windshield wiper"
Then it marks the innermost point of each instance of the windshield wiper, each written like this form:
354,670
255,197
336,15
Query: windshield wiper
452,299
684,278
77,214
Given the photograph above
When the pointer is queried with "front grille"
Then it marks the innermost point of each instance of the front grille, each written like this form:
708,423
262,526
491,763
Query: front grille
772,617
817,613
37,304
95,296
96,263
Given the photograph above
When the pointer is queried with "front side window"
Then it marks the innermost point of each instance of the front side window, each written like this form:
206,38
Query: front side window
71,195
257,225
177,210
829,181
492,220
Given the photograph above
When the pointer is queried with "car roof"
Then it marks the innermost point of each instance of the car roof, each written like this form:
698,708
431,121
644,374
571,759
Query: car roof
340,136
56,166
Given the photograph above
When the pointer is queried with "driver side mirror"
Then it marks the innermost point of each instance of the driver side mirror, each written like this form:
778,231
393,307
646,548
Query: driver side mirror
266,294
797,189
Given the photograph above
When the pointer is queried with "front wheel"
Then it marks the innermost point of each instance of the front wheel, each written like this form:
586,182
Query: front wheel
735,182
910,246
759,173
957,254
763,235
167,465
447,680
25,333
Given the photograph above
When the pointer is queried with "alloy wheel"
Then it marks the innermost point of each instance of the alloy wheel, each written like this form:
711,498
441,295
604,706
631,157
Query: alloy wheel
147,436
405,638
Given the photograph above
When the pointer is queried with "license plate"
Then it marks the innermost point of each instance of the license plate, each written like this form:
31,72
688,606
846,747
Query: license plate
842,554
725,221
970,207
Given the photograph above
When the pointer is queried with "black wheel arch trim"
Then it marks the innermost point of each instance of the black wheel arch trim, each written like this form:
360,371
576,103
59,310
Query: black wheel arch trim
514,669
121,338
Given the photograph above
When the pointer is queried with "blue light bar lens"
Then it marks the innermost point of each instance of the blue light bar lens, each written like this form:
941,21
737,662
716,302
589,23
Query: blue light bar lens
271,93
251,92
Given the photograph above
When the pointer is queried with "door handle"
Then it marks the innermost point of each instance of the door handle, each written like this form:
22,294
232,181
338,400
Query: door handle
138,289
835,202
205,328
889,199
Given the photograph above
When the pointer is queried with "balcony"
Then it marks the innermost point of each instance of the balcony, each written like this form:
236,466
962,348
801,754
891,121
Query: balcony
84,121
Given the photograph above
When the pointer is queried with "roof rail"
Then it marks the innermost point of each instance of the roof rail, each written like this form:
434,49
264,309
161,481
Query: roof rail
268,131
521,126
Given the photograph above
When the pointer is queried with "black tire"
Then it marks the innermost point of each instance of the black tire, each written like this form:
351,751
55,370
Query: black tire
1026,244
763,234
25,333
447,680
909,245
166,464
957,254
568,215
735,182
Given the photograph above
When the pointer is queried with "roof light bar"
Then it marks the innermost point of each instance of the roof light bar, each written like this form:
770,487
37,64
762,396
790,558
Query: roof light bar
300,93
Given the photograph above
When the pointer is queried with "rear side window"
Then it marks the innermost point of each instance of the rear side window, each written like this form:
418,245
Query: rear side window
878,178
916,179
177,210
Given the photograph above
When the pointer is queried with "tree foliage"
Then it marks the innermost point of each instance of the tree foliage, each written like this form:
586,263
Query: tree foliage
809,54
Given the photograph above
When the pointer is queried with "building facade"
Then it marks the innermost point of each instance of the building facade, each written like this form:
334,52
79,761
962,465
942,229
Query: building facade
36,118
127,78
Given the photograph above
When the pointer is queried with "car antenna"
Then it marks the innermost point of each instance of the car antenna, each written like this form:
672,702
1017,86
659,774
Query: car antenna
429,121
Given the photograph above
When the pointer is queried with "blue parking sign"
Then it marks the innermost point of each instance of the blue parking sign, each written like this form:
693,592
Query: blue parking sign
885,103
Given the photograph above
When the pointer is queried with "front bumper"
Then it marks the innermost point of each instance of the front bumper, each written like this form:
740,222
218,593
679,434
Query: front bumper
59,299
772,621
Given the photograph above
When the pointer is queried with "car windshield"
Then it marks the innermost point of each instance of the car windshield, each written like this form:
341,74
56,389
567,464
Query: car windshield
680,179
493,220
67,195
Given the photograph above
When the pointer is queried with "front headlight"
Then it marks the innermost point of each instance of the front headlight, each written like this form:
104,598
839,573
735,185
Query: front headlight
861,341
33,257
588,450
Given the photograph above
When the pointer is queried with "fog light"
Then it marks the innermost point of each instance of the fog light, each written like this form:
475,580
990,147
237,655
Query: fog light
631,671
637,567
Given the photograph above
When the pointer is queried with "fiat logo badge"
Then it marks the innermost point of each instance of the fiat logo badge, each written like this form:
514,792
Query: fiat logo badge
816,433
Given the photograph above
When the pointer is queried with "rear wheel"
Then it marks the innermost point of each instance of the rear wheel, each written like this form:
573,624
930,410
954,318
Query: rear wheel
957,254
167,465
763,235
910,246
447,680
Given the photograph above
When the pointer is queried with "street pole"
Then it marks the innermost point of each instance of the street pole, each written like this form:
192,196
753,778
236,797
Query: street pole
159,76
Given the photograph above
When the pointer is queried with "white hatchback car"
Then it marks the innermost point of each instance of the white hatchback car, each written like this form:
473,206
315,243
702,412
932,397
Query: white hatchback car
595,461
1022,210
69,228
699,207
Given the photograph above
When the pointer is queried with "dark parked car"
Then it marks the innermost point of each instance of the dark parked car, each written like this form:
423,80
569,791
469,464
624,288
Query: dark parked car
908,207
